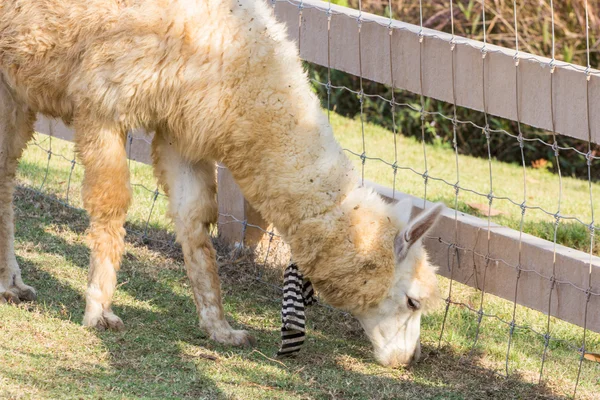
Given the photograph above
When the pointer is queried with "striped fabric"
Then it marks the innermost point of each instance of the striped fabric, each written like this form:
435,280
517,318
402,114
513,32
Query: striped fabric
297,293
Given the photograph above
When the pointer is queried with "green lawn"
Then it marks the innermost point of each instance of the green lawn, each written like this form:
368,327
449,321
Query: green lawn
46,354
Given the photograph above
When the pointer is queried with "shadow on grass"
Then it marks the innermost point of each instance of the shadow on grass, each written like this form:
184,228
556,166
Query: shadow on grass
163,354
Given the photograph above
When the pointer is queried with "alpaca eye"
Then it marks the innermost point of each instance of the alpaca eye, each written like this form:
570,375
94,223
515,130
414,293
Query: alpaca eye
413,304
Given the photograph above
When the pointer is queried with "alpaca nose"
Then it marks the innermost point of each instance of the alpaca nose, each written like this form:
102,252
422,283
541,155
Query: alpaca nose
417,354
397,358
403,359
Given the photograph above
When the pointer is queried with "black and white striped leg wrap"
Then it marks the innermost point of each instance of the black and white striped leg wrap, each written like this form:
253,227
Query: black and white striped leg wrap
297,293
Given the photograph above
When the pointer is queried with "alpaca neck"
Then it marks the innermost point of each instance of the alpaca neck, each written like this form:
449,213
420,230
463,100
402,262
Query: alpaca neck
293,175
255,111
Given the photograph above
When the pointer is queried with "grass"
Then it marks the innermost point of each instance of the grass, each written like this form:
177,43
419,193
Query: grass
46,354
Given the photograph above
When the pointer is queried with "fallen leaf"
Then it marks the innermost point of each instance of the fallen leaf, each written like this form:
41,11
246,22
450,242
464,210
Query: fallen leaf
485,209
592,357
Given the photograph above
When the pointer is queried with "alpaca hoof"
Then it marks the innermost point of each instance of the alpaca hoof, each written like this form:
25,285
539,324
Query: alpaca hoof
10,297
107,320
237,338
249,340
27,294
94,322
17,293
113,322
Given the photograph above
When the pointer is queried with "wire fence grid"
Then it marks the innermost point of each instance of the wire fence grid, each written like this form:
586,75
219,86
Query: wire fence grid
156,198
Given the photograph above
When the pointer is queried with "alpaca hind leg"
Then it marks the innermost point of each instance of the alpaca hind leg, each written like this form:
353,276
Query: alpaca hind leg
106,196
193,207
16,129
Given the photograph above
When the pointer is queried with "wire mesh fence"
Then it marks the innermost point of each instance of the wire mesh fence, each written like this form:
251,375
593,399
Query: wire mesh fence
490,196
449,182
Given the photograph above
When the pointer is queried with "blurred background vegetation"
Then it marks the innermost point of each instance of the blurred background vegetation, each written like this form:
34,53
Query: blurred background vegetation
535,36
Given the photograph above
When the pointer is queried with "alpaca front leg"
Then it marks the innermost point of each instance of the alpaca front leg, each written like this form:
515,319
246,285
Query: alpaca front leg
106,197
202,271
193,207
16,128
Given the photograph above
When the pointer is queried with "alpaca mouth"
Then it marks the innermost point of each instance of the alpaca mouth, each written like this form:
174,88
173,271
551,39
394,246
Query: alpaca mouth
398,358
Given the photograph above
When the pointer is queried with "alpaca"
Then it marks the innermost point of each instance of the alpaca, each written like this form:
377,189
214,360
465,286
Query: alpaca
216,80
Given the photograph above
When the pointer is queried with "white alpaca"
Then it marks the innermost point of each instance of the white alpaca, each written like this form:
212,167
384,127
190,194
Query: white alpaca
217,81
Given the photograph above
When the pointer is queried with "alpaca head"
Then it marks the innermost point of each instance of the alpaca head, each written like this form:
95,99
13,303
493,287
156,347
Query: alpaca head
367,258
393,325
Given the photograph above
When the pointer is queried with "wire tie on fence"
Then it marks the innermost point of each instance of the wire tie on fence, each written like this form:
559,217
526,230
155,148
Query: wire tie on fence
483,52
452,44
581,351
425,176
486,131
421,36
512,327
556,219
520,140
555,148
546,339
590,157
363,158
328,87
156,193
552,65
592,229
456,188
490,197
588,73
395,167
361,96
523,208
479,315
516,59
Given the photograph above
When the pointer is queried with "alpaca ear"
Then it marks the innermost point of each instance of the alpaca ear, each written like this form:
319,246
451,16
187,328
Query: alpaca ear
416,229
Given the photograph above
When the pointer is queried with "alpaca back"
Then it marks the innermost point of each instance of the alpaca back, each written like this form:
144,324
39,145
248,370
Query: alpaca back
112,55
219,76
41,43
